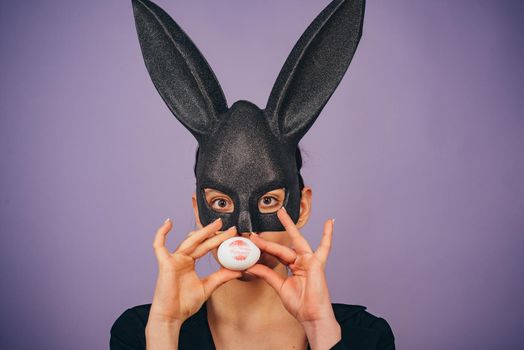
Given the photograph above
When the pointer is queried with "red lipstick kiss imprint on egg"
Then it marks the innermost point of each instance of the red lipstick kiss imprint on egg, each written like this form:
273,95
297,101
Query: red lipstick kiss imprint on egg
239,249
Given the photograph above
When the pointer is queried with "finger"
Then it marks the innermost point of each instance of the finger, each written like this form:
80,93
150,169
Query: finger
285,254
217,278
213,242
195,231
269,275
299,242
325,243
191,233
190,243
159,243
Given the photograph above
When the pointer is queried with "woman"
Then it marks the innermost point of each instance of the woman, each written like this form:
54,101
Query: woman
269,294
249,184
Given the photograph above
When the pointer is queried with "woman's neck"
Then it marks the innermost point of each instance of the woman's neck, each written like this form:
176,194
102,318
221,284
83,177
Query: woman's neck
242,303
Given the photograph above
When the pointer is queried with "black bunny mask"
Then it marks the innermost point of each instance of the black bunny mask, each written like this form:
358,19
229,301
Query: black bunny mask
245,151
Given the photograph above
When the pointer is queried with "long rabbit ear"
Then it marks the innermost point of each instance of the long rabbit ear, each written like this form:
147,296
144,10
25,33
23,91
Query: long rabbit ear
314,68
180,73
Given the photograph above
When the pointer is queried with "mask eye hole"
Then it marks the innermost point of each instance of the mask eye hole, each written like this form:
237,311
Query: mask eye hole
271,201
219,201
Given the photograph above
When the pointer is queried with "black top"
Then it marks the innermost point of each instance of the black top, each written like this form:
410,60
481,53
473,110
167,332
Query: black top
360,330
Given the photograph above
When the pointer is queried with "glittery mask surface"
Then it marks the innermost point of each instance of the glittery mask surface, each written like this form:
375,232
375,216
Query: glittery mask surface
245,151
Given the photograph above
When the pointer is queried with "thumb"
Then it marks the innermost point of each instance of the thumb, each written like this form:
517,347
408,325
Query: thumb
269,275
217,278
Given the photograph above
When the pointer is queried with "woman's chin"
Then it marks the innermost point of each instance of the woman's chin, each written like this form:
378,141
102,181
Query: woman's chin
268,260
247,277
265,259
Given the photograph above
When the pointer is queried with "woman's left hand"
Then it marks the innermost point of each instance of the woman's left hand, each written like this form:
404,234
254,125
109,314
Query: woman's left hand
304,293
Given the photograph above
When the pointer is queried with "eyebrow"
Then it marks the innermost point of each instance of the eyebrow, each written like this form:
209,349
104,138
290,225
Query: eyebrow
277,189
212,190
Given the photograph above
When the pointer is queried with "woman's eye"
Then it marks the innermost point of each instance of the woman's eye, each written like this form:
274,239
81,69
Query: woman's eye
271,201
268,202
221,204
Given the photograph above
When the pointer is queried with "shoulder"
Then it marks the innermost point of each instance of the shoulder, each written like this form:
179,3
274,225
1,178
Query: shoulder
138,312
136,316
365,330
128,330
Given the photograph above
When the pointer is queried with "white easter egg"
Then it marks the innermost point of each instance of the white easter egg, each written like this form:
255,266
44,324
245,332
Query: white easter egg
238,253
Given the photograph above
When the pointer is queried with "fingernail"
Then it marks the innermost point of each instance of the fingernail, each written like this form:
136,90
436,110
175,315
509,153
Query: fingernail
253,234
217,220
231,228
283,208
167,220
333,219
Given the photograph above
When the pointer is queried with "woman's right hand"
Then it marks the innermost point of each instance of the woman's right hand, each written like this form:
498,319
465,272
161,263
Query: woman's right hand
179,292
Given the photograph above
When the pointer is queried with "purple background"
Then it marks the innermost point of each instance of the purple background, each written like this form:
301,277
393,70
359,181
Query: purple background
418,155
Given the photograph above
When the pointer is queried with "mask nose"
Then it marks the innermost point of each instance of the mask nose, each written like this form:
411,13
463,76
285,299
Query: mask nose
244,222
